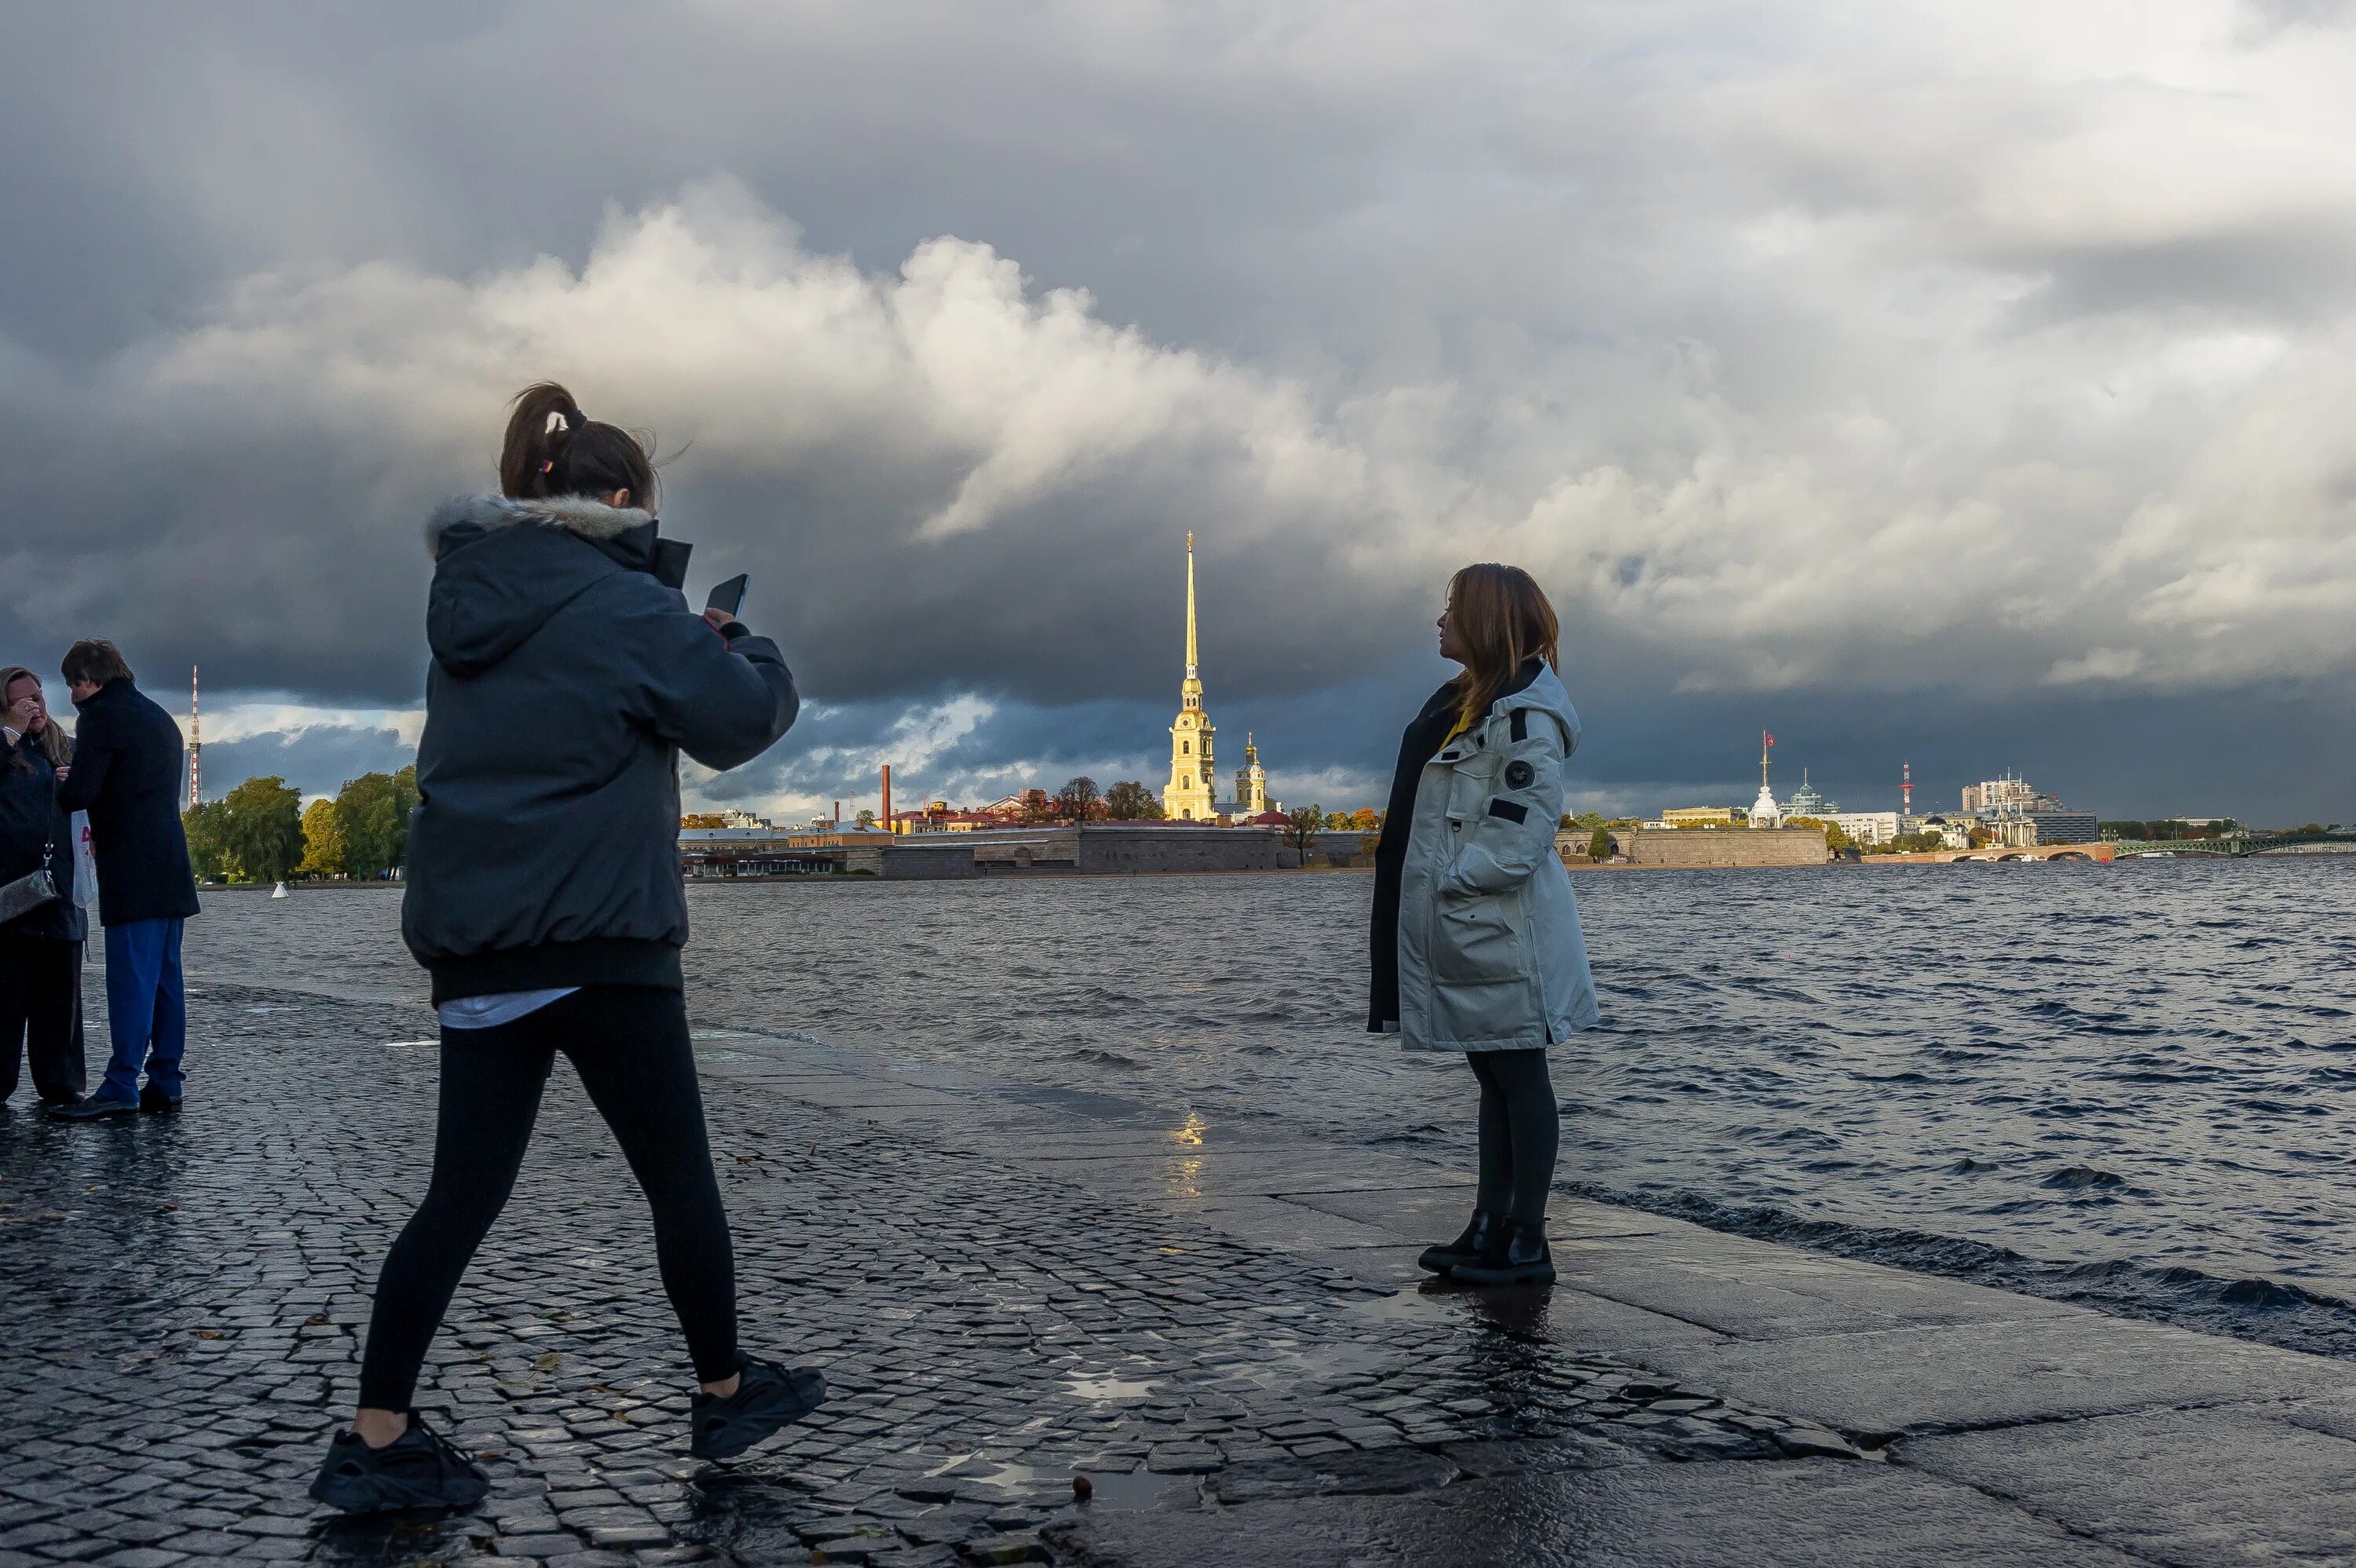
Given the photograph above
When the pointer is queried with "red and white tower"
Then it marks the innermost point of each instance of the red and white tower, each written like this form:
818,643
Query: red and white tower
1906,788
195,746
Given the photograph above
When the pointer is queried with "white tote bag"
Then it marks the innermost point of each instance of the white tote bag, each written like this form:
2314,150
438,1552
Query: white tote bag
85,863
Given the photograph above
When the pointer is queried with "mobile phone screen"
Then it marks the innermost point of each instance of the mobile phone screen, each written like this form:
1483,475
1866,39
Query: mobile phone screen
730,595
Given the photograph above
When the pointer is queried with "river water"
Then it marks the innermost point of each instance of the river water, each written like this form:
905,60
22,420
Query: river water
2127,1085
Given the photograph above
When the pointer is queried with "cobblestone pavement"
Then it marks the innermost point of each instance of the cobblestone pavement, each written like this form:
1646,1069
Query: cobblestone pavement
181,1303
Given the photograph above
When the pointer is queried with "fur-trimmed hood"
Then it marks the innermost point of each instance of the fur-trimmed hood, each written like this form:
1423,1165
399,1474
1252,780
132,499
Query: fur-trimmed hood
502,567
591,519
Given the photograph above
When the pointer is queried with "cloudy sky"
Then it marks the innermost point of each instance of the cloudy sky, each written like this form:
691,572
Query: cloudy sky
1969,386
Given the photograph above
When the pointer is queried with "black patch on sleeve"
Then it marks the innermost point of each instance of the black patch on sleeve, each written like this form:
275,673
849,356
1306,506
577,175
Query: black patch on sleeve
1519,775
1511,810
1521,723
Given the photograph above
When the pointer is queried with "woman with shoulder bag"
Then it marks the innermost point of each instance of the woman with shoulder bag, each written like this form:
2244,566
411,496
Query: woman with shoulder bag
40,948
1476,945
543,897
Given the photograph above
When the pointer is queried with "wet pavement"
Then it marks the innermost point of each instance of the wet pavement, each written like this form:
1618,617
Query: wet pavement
1010,1286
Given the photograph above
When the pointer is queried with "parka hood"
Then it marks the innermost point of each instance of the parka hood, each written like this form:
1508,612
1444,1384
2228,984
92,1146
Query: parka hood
502,567
1545,693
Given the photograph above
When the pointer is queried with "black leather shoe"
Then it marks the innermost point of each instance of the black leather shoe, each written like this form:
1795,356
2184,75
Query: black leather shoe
767,1396
154,1101
1517,1257
1444,1256
97,1107
420,1468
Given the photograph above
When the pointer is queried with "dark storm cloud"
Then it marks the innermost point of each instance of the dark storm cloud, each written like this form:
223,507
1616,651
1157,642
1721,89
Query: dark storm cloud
1813,359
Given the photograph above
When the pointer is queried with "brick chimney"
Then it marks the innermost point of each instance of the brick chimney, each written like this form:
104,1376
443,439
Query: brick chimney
887,797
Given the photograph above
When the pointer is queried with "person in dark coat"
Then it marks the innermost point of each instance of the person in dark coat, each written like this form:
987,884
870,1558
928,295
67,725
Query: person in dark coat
126,773
40,950
543,896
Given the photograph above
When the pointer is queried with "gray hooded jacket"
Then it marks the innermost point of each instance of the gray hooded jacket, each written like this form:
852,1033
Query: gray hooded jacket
566,680
1490,957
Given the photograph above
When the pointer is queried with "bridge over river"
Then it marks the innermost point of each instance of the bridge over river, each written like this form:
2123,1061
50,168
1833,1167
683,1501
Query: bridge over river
2235,846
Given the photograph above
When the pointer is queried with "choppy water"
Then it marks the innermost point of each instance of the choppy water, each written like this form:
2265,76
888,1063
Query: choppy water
2127,1084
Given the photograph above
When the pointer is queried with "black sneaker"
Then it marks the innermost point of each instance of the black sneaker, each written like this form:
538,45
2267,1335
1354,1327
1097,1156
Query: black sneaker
767,1396
1518,1256
418,1469
98,1107
154,1101
1443,1256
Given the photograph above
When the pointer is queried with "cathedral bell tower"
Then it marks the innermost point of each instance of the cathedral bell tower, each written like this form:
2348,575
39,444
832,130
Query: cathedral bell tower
1251,782
1187,796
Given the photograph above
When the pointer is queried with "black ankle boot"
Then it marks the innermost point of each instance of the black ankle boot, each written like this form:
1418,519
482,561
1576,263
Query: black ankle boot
1517,1255
1443,1256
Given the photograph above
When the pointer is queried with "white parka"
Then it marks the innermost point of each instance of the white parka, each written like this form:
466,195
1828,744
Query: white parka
1490,953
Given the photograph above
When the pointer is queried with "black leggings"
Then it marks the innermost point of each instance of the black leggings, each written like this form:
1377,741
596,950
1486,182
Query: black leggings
630,1046
1520,1127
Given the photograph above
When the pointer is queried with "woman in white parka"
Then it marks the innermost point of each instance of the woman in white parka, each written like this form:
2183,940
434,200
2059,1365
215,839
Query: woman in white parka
1476,945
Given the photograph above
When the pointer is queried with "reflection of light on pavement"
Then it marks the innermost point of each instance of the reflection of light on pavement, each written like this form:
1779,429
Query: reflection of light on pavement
1191,1135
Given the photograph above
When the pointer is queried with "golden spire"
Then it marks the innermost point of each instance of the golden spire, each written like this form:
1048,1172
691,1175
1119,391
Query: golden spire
1191,660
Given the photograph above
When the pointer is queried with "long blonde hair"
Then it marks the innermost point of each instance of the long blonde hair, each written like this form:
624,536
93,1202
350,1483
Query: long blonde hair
53,742
1504,619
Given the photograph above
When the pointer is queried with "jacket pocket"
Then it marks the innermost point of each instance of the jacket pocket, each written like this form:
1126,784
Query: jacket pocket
1476,939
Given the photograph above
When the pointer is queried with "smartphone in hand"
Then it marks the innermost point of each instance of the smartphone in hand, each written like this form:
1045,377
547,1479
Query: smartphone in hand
730,595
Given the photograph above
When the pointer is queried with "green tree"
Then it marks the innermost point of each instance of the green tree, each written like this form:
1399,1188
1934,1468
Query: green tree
1586,820
1301,826
1129,801
1599,843
323,840
264,827
1337,819
373,813
866,818
205,827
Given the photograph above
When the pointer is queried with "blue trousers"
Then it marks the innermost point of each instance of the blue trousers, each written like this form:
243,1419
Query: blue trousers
146,1008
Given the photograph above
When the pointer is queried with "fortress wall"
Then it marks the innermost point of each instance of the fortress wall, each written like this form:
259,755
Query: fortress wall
1114,848
1722,846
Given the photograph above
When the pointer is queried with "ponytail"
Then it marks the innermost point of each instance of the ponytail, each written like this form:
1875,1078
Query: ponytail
554,449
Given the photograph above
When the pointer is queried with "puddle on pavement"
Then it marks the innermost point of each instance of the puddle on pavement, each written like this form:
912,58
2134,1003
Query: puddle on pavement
1108,1386
1137,1490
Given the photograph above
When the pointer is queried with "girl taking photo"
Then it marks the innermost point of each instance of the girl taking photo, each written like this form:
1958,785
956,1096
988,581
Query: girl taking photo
1475,940
544,898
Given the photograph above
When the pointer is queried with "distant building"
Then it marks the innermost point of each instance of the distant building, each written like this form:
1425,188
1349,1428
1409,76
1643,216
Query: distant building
1764,812
1252,784
2008,793
1192,773
1698,816
1806,802
1862,827
2058,827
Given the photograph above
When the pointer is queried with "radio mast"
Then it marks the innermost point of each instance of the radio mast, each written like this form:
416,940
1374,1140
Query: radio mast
195,746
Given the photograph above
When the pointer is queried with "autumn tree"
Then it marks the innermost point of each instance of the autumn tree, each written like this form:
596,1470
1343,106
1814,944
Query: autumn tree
1367,819
323,840
1079,801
